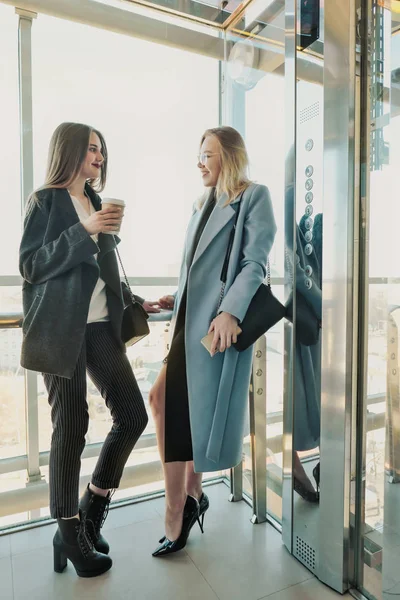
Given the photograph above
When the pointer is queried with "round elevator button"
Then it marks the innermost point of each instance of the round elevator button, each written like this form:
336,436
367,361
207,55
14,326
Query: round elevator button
308,270
309,197
309,170
308,249
309,184
308,236
308,223
309,145
308,283
309,210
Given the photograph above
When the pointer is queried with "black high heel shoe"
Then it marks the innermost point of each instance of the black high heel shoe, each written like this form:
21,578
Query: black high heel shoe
306,494
316,474
204,504
190,516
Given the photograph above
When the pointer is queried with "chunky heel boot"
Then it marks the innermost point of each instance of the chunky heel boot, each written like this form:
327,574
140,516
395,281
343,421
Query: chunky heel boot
95,509
60,560
72,542
190,516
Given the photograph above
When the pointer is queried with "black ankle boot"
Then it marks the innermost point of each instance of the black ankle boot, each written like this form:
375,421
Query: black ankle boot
72,542
96,510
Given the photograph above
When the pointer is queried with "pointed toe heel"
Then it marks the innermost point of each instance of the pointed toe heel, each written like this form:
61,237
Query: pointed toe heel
190,516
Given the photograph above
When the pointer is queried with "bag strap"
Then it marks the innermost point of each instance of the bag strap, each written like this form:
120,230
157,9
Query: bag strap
225,266
125,277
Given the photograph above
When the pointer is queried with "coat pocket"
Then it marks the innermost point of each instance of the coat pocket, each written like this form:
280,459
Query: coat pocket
28,318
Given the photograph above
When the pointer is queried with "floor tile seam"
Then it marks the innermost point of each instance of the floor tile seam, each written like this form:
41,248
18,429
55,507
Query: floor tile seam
203,576
12,576
287,587
153,518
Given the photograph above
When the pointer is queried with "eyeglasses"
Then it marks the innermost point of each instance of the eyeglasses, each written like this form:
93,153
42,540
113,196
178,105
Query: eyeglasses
203,158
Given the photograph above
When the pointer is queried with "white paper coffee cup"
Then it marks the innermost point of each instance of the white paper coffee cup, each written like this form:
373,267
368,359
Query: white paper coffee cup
113,203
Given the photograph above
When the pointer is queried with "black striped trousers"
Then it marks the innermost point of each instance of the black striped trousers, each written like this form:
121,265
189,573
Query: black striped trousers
109,369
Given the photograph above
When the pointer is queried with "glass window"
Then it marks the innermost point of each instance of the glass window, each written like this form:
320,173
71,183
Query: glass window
152,103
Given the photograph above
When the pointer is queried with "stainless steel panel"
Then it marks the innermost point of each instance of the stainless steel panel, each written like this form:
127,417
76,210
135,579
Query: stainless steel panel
361,229
307,359
236,483
290,220
25,97
258,431
338,281
25,101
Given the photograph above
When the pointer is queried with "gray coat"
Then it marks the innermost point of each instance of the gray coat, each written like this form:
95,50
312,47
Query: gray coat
218,387
60,271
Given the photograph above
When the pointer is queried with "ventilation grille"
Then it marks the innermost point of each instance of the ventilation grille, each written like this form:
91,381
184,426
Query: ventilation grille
305,553
309,113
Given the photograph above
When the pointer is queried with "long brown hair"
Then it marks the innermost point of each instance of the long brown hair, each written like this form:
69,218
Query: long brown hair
67,152
233,179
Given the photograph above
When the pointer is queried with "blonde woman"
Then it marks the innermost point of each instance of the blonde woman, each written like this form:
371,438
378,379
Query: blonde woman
199,399
73,307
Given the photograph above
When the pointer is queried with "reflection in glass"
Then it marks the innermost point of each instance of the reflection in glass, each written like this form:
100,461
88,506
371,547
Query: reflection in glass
380,579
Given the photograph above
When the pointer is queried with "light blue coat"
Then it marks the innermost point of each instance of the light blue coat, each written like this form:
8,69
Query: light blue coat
218,387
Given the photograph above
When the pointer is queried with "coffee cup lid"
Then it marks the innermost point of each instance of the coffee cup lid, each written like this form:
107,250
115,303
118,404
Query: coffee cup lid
113,201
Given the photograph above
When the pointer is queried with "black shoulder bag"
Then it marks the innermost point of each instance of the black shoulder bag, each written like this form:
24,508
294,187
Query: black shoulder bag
134,321
264,310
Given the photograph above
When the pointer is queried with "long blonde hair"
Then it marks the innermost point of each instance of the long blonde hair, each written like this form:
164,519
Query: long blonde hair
233,179
67,152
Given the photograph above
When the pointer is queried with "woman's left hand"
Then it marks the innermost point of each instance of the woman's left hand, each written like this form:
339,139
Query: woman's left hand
151,307
225,332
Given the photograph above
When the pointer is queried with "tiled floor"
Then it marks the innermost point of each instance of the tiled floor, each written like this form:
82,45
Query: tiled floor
233,560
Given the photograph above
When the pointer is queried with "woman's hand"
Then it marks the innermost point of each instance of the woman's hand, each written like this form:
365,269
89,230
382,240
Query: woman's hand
225,332
167,302
103,221
151,307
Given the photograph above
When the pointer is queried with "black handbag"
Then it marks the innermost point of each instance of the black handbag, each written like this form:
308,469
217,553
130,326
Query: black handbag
264,310
134,321
307,323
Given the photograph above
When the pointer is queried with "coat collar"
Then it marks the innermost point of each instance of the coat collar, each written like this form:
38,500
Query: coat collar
222,214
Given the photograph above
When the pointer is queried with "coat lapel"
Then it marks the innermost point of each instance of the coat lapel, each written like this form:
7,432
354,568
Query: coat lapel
192,229
221,216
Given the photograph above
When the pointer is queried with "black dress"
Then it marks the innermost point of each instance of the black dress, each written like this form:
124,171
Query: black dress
178,438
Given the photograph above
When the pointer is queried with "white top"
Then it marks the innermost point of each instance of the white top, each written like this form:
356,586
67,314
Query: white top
98,309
